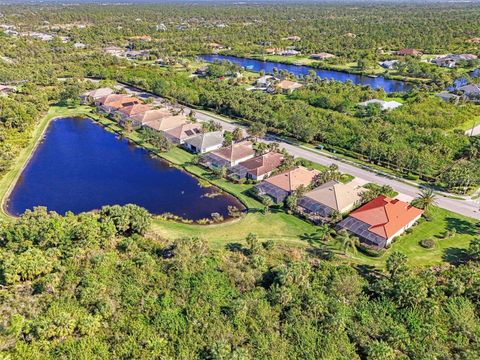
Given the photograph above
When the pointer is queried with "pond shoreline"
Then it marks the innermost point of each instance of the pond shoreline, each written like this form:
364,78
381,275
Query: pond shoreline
86,114
182,168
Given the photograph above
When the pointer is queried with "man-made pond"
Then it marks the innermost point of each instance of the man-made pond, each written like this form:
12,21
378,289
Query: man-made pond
267,66
79,166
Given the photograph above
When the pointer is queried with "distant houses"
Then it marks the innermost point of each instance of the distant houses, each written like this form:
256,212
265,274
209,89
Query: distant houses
381,220
408,52
452,60
384,105
286,86
322,56
471,91
389,64
448,97
279,187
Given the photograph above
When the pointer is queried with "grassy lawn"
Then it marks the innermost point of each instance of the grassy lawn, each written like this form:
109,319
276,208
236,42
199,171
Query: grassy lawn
8,180
277,226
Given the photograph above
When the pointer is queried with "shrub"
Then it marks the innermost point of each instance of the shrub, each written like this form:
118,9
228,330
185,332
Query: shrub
427,243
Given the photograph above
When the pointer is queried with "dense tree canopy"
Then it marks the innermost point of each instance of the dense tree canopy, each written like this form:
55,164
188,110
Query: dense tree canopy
77,284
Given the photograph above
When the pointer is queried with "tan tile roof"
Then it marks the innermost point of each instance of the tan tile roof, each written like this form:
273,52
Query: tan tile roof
289,85
151,115
118,100
263,164
291,180
235,151
99,93
185,131
336,195
135,109
167,122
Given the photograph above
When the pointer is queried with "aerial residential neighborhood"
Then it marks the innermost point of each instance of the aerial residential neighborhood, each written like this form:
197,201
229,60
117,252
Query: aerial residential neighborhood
240,180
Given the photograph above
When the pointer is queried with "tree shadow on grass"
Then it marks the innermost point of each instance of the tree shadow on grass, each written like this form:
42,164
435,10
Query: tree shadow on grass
368,272
455,256
461,226
235,247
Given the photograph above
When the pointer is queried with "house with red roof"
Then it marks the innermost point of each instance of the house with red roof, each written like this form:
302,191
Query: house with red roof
128,112
381,220
409,52
113,102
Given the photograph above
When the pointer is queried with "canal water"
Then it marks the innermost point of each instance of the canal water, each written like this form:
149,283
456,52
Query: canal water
79,166
267,66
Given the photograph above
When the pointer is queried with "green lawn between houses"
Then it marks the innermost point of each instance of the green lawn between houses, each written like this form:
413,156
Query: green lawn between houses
279,226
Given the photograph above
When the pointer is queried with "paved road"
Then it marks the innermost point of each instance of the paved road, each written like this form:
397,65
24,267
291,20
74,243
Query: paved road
467,207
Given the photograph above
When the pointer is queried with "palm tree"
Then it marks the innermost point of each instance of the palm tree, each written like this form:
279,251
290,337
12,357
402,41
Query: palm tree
426,199
325,232
348,242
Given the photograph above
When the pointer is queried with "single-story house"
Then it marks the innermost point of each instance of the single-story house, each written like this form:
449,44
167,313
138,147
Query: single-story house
179,134
280,186
114,51
448,97
333,196
286,86
137,54
201,71
322,56
384,105
38,35
409,52
289,52
379,221
257,168
150,115
471,91
216,46
110,103
451,60
79,45
229,156
127,112
204,142
293,38
389,64
166,122
264,82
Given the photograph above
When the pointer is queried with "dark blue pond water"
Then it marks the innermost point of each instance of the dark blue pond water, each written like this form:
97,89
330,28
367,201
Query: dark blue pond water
267,66
79,166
